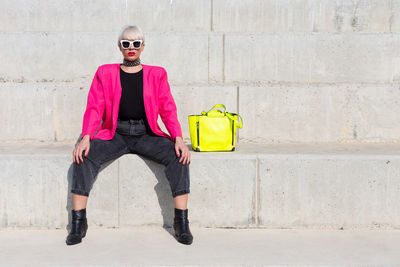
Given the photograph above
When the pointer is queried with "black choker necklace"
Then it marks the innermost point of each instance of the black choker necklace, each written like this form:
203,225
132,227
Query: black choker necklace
128,63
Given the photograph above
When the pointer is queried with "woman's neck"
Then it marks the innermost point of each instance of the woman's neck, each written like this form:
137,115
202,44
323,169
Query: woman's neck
131,69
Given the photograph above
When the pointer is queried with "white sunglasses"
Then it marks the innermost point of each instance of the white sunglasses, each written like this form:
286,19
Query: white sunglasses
125,44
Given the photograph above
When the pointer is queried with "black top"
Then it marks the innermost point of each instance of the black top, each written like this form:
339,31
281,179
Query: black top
131,105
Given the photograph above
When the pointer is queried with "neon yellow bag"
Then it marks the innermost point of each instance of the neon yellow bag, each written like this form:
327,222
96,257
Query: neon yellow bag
214,130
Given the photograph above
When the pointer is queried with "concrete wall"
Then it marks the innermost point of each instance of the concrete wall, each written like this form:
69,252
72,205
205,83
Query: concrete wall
273,186
304,71
318,70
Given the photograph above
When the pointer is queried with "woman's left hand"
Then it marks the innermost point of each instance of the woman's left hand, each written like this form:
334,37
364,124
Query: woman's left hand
182,150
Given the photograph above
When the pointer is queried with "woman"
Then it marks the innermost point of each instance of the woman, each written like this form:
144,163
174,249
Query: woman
128,98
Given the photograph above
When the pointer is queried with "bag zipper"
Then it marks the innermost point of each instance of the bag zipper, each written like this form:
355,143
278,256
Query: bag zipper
198,134
233,127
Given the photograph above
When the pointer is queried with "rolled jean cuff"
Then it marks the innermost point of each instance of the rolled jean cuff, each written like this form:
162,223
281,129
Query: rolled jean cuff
180,192
79,192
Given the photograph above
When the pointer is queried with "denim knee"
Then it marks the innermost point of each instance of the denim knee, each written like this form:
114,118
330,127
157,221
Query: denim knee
178,176
84,175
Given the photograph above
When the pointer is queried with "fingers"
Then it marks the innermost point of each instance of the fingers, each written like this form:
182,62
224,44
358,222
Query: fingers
188,157
87,150
182,156
78,151
185,158
80,154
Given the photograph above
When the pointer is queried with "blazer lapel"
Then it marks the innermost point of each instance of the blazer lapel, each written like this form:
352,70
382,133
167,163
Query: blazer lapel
117,93
147,94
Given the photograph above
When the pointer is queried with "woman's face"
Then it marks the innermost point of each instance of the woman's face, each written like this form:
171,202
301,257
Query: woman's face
131,53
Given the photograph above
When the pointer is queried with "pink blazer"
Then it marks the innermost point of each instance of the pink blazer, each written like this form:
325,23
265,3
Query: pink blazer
104,98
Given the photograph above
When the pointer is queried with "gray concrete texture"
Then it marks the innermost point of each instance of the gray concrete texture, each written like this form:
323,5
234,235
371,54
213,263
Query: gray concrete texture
343,113
312,58
82,52
231,58
318,70
155,246
54,111
274,186
192,15
272,113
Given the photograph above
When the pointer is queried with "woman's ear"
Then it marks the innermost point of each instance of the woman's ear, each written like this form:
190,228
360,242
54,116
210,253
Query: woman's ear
141,48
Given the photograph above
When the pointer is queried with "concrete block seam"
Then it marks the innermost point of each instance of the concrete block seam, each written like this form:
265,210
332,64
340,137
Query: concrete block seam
208,60
223,58
257,192
211,15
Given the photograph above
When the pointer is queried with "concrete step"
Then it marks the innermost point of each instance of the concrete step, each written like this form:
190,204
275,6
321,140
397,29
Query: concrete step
288,112
329,186
295,57
156,246
194,16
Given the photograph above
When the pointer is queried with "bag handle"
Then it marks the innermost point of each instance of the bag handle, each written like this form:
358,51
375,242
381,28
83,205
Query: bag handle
229,115
232,117
215,106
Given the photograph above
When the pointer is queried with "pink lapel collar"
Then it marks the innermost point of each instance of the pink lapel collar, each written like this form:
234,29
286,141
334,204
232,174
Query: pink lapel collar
147,95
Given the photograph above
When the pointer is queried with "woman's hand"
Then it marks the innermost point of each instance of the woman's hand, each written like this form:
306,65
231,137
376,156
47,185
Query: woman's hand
83,145
182,150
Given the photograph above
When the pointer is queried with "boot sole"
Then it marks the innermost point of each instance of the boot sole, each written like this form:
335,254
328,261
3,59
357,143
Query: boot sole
74,243
184,242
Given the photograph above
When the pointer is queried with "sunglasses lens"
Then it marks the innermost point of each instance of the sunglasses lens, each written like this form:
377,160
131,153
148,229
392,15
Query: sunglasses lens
136,44
125,44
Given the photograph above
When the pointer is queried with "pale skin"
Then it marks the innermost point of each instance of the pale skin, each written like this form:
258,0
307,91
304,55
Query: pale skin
80,201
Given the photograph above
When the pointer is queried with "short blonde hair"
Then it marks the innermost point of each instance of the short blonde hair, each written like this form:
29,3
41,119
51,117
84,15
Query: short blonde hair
131,32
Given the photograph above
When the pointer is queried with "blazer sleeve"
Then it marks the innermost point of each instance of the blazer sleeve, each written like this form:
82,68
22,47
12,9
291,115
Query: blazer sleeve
167,107
95,107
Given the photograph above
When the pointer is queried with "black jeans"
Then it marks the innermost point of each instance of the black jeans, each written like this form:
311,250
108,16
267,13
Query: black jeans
131,137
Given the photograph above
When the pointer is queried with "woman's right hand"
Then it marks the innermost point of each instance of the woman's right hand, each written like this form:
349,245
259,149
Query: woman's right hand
83,145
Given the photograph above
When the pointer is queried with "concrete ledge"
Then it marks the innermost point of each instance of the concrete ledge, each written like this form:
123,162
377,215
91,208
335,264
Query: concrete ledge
212,57
290,112
186,46
274,186
59,108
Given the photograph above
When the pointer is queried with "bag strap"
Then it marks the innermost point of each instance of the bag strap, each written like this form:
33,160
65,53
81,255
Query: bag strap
232,117
229,115
215,106
218,106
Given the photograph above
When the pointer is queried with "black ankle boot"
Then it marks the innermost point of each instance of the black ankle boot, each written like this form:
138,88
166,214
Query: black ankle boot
78,228
181,226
